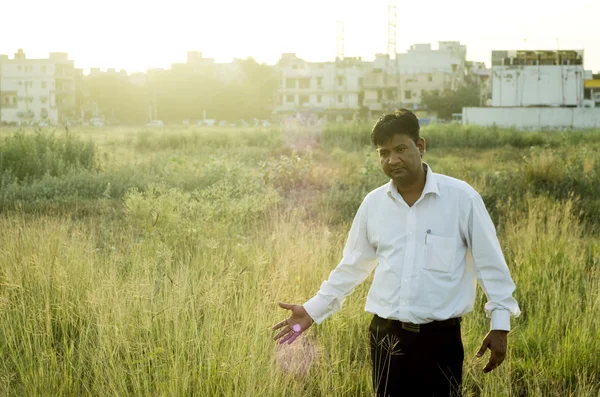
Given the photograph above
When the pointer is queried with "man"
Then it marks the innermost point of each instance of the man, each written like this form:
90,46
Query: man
419,228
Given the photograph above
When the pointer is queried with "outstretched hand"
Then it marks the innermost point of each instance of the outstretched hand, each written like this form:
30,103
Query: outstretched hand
293,326
496,341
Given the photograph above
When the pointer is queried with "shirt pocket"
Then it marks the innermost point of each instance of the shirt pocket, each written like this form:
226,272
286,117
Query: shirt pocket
439,253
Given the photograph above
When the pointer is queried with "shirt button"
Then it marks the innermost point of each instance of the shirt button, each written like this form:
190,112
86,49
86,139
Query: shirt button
410,233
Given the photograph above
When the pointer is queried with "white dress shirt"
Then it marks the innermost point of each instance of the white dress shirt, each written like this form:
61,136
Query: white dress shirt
427,257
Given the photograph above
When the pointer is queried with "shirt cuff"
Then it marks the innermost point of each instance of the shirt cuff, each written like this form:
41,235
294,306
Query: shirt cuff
317,308
500,320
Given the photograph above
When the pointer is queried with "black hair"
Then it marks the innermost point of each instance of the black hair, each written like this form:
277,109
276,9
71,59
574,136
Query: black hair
402,121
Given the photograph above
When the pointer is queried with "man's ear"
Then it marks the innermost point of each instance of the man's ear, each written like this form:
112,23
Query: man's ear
422,145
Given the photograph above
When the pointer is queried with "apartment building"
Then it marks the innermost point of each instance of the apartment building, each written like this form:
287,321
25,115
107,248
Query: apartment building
36,90
331,89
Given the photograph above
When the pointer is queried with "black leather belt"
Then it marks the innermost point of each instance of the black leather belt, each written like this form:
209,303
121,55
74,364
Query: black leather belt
425,327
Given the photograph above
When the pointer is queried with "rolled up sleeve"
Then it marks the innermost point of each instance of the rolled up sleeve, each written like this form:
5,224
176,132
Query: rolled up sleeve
357,263
491,269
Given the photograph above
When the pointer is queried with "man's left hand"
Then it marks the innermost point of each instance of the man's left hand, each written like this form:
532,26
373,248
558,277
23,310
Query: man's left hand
496,341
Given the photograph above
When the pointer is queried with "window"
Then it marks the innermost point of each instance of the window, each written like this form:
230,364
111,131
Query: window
340,99
430,78
319,82
319,98
304,83
290,83
303,99
19,68
43,69
44,99
407,94
20,82
44,84
340,80
289,98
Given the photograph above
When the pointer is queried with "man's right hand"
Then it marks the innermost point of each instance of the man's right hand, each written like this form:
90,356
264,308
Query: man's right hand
293,326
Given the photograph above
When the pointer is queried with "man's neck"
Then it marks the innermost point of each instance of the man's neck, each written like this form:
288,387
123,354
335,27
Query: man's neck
414,187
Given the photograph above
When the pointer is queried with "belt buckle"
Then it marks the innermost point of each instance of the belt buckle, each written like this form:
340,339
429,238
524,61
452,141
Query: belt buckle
411,327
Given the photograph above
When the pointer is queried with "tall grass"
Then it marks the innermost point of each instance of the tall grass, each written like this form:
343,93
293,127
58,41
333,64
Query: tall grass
170,287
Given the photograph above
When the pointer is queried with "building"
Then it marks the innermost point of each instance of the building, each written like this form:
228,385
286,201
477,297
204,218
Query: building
380,85
36,90
320,89
424,69
539,90
591,89
389,84
537,78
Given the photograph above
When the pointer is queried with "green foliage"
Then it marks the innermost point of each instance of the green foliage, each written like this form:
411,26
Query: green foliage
187,92
357,136
177,215
159,275
448,101
25,157
117,98
202,139
288,172
341,202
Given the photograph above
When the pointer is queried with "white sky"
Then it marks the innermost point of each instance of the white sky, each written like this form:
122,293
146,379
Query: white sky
135,34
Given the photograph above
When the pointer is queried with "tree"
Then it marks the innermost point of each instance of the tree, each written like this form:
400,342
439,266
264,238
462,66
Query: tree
447,102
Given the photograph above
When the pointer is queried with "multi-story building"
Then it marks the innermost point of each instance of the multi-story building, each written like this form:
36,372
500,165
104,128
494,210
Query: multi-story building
332,89
537,78
36,90
592,89
390,84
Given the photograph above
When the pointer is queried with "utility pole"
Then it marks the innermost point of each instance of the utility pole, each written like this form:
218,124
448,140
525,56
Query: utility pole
391,48
340,40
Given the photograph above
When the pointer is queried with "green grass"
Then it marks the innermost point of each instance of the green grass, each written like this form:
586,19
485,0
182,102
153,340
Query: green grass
157,271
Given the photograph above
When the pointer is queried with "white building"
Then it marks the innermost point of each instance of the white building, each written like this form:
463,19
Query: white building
537,78
390,84
36,90
538,90
320,88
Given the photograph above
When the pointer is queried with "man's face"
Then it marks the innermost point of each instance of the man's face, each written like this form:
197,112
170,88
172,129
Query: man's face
400,158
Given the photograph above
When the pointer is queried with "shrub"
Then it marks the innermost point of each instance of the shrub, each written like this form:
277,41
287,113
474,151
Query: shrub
25,157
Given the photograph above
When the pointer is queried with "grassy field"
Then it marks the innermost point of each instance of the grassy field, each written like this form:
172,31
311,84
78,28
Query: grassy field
137,262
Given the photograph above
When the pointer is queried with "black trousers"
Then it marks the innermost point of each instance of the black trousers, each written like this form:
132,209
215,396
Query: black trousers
426,363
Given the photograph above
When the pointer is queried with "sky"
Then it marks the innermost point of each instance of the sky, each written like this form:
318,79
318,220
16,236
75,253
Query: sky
137,35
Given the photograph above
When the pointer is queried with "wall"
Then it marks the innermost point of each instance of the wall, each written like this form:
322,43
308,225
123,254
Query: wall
537,85
533,118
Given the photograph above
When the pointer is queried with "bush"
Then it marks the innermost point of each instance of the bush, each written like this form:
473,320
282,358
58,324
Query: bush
355,136
27,157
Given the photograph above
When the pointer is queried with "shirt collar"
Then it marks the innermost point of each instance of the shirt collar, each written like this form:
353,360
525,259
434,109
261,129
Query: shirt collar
431,185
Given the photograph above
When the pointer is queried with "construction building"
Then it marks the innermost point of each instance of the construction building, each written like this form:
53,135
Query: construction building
323,89
36,90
